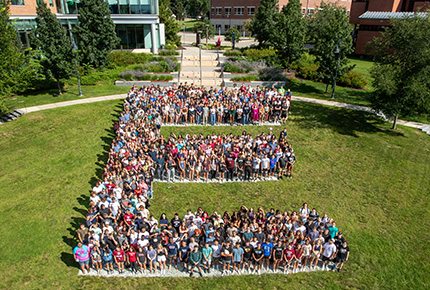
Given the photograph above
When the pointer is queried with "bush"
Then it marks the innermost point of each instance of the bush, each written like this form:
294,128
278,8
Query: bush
125,58
97,77
259,54
247,78
353,79
233,52
306,67
168,52
131,75
170,46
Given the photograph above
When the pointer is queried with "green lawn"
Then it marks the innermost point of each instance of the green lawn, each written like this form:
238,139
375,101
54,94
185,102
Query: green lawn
372,181
363,67
189,24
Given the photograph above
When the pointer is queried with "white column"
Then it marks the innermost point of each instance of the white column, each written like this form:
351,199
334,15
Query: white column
153,38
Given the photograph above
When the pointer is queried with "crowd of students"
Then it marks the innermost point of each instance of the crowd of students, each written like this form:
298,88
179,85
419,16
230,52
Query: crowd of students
246,241
191,106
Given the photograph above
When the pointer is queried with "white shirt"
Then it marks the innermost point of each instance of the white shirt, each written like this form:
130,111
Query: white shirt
329,249
216,250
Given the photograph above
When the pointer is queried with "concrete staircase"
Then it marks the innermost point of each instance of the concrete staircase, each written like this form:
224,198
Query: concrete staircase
190,68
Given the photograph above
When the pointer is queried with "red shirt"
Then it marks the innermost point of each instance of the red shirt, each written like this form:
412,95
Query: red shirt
132,256
119,255
289,254
128,218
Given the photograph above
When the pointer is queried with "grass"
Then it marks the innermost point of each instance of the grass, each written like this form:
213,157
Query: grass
373,181
189,24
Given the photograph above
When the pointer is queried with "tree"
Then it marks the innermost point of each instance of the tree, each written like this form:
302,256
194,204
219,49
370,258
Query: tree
198,7
179,10
53,42
402,71
18,68
330,27
95,32
171,27
263,25
229,34
290,39
201,26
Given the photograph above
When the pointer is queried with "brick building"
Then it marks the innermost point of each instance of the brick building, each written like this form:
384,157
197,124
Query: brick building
370,17
136,21
226,13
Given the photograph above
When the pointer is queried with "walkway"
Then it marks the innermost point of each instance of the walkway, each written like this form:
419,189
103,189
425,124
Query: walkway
421,126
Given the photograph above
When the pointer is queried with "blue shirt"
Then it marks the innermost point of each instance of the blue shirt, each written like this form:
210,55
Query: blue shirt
267,248
273,163
237,254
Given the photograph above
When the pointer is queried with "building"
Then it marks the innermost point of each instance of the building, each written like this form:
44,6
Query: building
370,17
137,22
225,13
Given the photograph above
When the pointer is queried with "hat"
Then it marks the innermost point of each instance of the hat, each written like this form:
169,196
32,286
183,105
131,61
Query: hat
339,233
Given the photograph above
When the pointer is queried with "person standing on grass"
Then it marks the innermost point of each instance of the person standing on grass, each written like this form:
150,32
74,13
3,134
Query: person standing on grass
227,257
81,254
96,258
298,258
306,253
257,256
132,259
291,162
151,256
329,252
342,255
195,259
83,234
108,259
207,257
277,255
119,257
141,259
237,258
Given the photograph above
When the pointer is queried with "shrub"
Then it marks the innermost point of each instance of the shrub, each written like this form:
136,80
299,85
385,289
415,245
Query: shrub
259,54
125,58
306,67
168,52
247,78
271,74
353,79
170,46
233,52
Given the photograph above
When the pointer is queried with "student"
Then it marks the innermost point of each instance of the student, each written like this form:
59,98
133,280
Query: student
297,259
306,253
257,256
342,255
183,255
161,258
108,259
172,253
315,254
216,253
132,260
226,257
289,255
141,260
277,256
195,259
151,256
267,249
119,258
96,258
81,254
237,258
329,252
207,257
247,256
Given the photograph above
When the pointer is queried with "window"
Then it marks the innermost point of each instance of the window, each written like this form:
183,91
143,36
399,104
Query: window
226,27
238,10
251,10
218,10
227,11
17,2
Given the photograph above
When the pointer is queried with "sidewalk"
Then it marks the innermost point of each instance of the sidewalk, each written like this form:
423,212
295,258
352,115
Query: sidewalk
294,98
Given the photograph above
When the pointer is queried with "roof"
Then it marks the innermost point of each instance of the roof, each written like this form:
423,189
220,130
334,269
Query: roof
389,15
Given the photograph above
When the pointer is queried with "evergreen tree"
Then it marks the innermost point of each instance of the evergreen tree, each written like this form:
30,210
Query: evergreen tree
201,26
402,71
330,27
95,32
229,34
54,43
18,68
290,39
263,25
171,27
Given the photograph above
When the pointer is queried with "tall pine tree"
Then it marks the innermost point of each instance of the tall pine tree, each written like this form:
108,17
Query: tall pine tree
95,32
171,27
290,39
18,68
54,43
263,25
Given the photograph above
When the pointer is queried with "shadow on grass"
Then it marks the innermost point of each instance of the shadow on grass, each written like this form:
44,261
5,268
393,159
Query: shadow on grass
67,259
342,121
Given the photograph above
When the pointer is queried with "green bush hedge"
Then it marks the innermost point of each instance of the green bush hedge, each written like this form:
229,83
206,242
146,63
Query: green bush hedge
247,78
259,54
306,67
97,77
131,75
168,52
125,58
233,52
353,80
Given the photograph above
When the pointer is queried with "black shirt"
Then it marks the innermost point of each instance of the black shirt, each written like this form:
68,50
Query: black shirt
248,251
343,252
258,253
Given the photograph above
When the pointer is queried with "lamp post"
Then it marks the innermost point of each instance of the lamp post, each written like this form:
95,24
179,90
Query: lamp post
207,36
75,48
200,57
336,52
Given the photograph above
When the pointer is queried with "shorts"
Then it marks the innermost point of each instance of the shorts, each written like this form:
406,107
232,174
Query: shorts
216,259
86,262
108,262
284,114
97,261
194,265
208,262
338,260
246,260
278,257
256,170
237,262
314,256
171,258
265,170
185,260
324,258
272,170
228,262
255,262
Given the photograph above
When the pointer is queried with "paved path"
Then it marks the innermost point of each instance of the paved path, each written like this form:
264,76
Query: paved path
294,98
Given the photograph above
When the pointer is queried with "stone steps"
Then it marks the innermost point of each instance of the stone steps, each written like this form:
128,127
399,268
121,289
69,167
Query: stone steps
197,58
196,74
207,63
